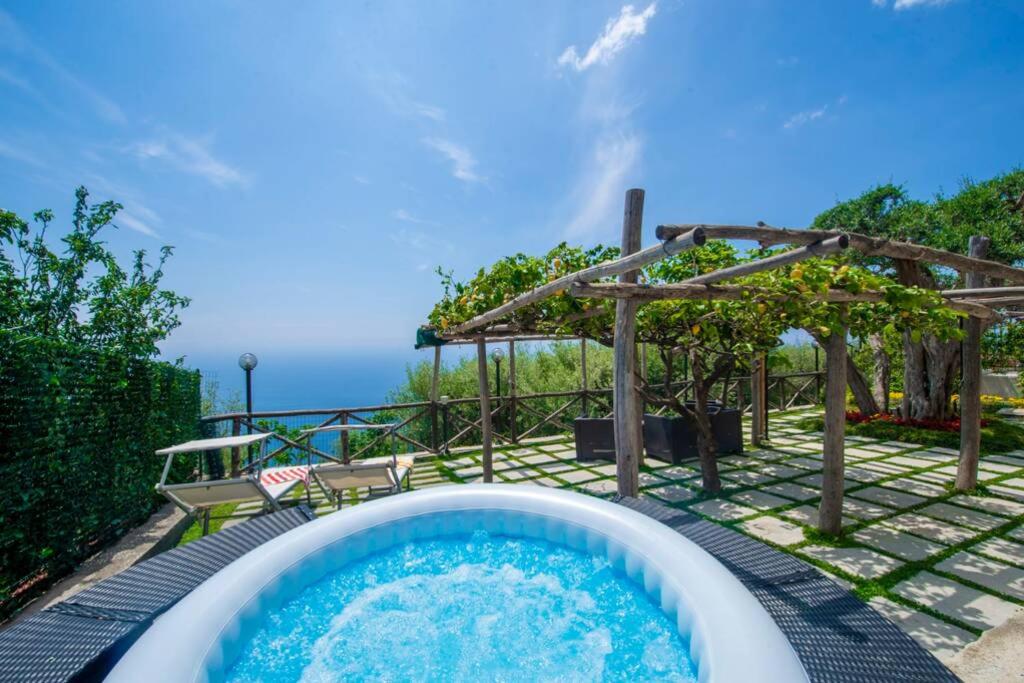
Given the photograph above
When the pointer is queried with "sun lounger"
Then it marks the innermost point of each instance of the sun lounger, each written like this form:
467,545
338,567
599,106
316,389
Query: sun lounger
388,472
198,498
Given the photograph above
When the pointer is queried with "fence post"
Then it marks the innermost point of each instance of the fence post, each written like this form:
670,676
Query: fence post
236,453
513,401
343,420
758,399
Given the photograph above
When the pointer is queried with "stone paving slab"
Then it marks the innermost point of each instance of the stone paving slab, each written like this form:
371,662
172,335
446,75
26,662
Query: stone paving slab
747,477
723,510
867,564
998,577
883,467
781,470
982,475
1016,494
995,506
862,475
930,528
795,491
545,481
916,486
863,510
941,639
761,500
861,452
1016,482
648,479
998,467
1017,533
932,455
808,514
672,493
806,463
955,600
888,497
539,459
894,542
1001,549
602,487
773,530
963,516
578,476
906,460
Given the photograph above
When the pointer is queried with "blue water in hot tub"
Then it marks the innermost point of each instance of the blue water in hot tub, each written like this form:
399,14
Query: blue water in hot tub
469,608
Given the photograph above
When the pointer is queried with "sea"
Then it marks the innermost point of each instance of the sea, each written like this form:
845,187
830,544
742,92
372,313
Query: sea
287,380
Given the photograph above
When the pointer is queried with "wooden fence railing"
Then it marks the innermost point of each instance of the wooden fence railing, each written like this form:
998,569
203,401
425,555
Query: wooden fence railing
439,426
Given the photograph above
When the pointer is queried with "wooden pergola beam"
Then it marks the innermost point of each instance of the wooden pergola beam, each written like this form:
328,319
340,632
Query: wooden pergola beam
869,246
825,247
632,262
984,293
617,290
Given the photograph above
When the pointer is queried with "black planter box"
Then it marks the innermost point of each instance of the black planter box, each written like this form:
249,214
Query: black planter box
595,438
674,438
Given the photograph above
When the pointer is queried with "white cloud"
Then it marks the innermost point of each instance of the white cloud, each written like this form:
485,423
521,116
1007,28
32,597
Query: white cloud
599,192
125,218
393,87
899,5
420,241
463,163
191,155
618,33
14,39
16,153
403,215
803,117
362,180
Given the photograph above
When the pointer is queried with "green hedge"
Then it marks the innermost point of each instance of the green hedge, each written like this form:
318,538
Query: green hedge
77,433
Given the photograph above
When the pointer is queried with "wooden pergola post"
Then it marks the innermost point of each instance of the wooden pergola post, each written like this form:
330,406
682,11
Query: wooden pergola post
583,378
970,384
758,398
435,381
626,403
512,401
485,410
830,511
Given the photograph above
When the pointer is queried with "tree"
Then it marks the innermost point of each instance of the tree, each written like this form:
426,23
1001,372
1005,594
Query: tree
82,294
993,208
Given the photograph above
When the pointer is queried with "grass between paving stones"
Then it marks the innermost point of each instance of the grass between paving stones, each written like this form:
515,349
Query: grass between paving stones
866,589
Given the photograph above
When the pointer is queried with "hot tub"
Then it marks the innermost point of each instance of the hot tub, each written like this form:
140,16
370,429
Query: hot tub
470,582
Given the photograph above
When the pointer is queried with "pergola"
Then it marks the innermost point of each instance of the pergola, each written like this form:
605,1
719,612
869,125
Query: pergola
981,304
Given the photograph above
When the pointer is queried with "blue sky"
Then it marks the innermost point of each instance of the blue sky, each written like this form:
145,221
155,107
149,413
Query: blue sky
312,163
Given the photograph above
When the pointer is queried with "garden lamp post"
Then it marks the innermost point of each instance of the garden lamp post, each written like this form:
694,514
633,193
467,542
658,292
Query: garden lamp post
497,355
248,362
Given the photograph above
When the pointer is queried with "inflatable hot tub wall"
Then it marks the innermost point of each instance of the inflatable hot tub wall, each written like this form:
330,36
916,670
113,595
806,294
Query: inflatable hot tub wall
731,637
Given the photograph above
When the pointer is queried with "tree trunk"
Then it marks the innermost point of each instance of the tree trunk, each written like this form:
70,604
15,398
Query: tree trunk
706,446
883,372
859,387
930,366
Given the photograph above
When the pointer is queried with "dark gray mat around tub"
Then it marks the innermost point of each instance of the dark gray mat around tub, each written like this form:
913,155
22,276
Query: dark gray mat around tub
81,638
838,637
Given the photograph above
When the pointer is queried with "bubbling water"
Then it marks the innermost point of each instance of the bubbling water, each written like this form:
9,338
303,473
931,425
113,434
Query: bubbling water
468,608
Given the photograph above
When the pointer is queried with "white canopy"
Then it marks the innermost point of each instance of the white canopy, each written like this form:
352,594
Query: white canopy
214,444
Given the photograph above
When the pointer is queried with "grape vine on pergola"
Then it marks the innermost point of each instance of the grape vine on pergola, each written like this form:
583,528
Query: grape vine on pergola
980,305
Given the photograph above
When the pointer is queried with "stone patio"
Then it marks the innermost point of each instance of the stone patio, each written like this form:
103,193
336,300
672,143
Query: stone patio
944,567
